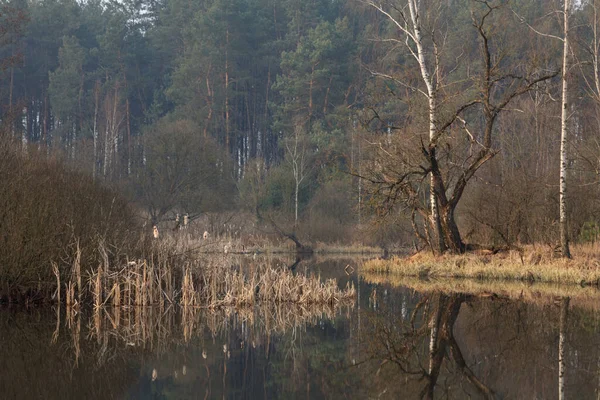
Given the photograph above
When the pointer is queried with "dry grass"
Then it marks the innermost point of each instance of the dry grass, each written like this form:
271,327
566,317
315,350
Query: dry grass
209,282
339,248
533,264
220,285
191,241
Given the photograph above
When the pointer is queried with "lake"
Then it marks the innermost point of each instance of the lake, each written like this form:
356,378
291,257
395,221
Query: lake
400,340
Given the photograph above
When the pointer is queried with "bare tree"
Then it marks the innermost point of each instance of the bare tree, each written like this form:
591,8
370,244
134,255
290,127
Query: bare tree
566,65
564,232
471,107
297,157
411,26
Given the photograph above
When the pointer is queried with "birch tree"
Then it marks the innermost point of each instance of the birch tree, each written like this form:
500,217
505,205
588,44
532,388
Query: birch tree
564,232
566,65
463,104
411,27
297,157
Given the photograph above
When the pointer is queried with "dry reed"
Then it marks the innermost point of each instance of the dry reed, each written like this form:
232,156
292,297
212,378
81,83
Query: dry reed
208,283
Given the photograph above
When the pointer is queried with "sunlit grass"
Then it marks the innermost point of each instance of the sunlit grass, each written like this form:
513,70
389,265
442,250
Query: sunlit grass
533,264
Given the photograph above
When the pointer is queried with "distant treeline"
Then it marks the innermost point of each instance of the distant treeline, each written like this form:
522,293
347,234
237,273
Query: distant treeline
280,106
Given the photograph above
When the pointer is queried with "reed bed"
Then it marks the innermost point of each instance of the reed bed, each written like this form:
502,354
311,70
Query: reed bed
164,279
192,241
223,286
533,264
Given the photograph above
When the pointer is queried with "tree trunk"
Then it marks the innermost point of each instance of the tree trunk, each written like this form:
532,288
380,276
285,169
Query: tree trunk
452,238
227,92
95,127
296,202
437,238
128,137
209,101
564,234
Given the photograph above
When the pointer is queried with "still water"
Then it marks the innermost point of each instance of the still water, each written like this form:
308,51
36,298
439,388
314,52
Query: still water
400,340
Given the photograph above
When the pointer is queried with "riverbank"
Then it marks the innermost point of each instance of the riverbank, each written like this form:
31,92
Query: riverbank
193,241
532,264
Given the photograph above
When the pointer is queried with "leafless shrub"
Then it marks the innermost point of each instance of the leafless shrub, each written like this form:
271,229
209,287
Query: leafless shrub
48,214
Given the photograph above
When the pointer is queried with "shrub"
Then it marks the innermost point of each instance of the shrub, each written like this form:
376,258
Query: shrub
46,211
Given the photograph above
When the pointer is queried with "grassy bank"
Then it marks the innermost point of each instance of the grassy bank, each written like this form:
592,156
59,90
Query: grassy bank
533,264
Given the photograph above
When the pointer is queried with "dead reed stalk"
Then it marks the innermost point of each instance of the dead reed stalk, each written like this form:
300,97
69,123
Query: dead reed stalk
70,294
212,283
76,273
97,292
57,275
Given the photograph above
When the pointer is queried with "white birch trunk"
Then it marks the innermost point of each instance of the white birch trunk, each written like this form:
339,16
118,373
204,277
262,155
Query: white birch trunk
95,130
297,160
227,91
74,141
296,205
107,149
432,98
564,235
114,127
359,183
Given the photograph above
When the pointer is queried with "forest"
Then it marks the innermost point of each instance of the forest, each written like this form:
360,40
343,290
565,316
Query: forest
343,120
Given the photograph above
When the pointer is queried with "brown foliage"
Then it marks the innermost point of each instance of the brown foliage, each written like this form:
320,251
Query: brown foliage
46,212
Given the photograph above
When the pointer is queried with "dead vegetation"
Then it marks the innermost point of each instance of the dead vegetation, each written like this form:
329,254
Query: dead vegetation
531,264
204,283
196,239
51,218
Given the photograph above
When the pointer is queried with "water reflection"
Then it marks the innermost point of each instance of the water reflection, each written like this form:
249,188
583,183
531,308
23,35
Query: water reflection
480,346
394,343
419,345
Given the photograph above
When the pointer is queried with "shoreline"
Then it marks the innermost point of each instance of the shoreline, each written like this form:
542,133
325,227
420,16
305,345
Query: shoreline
534,264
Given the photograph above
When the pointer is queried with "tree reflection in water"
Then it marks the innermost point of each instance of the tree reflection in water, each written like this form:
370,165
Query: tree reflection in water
398,344
478,346
403,343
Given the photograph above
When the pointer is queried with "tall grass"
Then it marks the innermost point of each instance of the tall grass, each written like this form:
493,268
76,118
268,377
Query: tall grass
164,279
533,264
191,240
